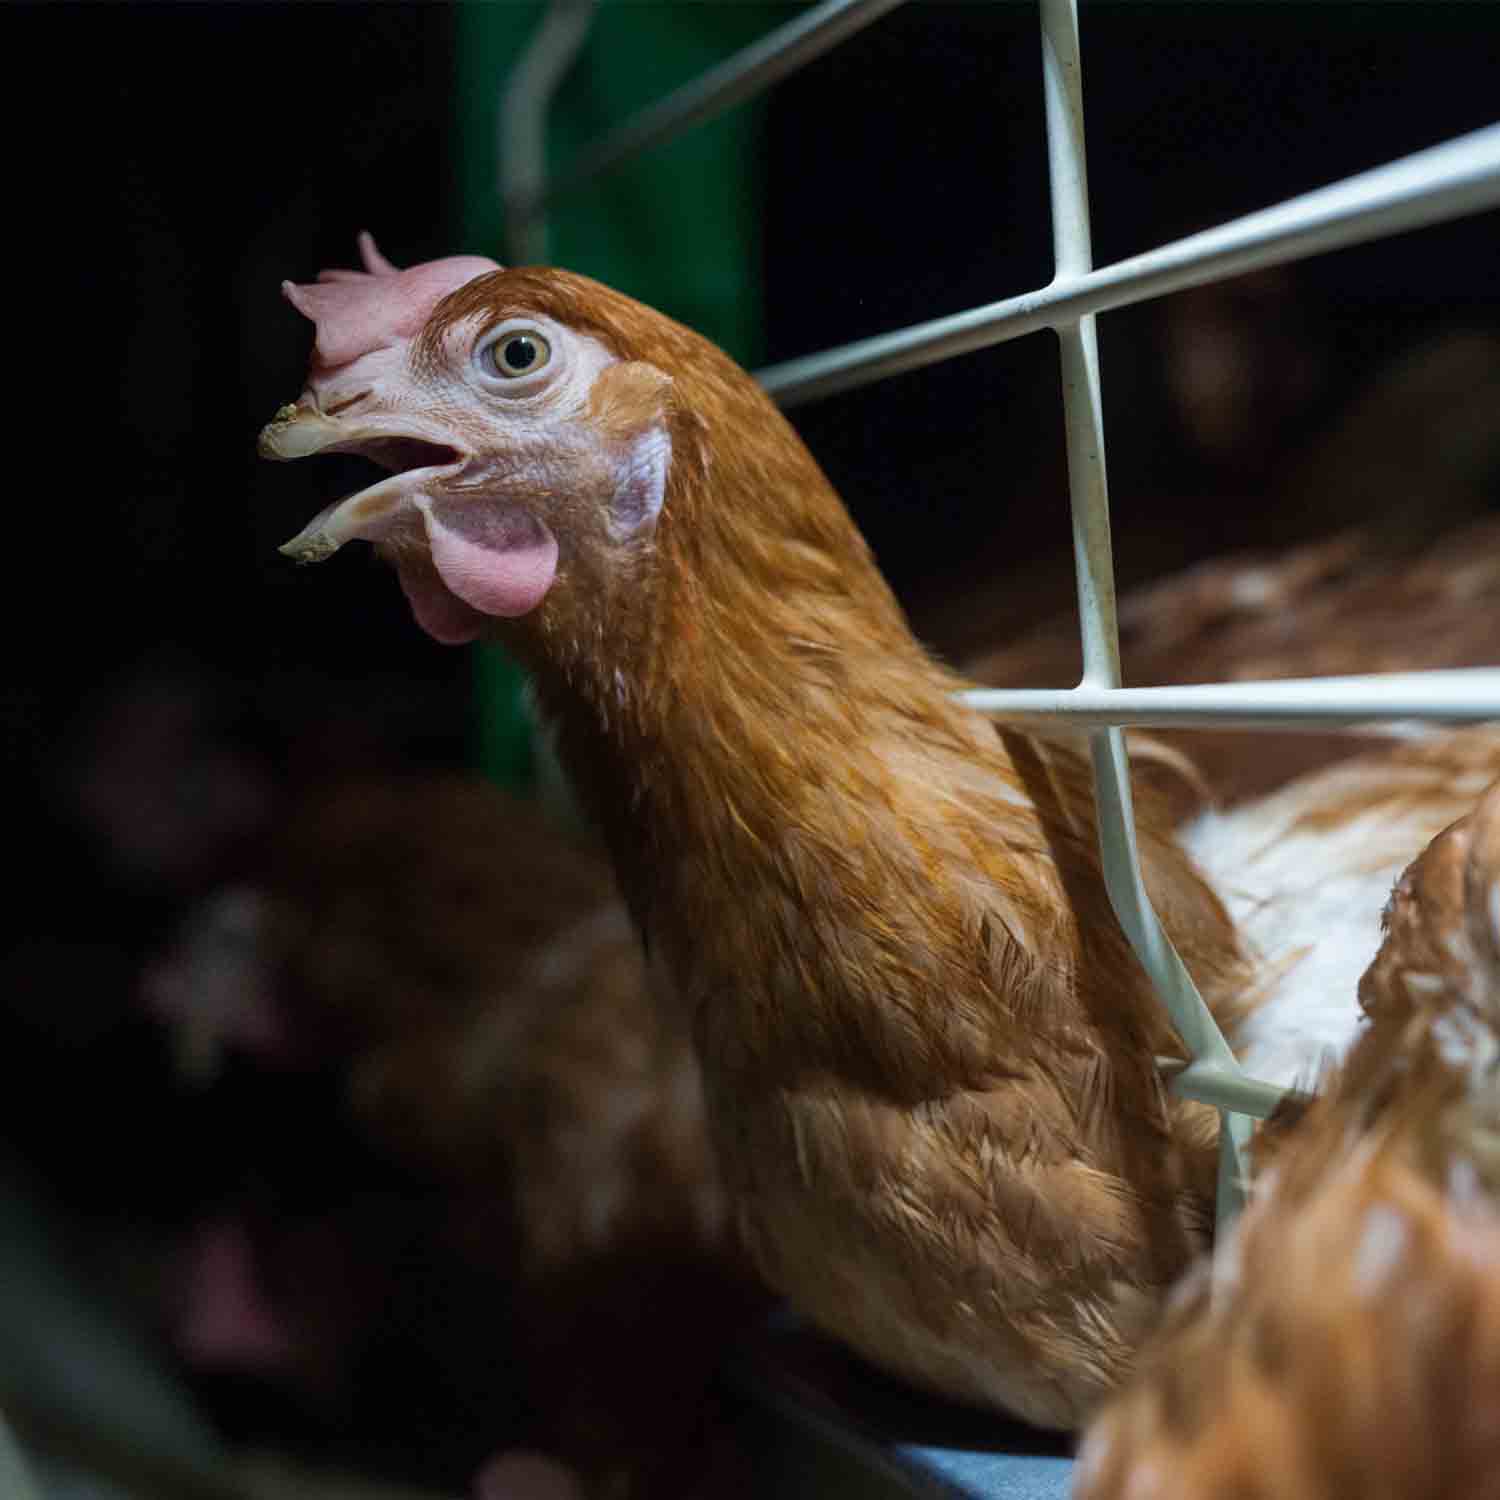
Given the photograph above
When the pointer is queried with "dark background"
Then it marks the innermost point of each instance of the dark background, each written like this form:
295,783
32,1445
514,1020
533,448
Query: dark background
170,676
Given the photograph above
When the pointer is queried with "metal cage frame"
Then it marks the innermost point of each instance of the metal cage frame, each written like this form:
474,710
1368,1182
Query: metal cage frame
1459,177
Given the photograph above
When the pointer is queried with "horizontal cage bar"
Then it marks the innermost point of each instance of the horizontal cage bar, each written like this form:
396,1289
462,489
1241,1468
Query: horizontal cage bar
1470,695
736,79
1459,177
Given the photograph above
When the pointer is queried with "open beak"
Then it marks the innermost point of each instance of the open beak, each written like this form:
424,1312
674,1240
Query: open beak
413,457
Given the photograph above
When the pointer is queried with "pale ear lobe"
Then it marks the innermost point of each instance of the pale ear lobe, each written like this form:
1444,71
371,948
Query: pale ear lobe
642,483
628,409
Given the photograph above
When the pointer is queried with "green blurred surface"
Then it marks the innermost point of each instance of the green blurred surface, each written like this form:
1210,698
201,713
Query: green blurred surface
678,227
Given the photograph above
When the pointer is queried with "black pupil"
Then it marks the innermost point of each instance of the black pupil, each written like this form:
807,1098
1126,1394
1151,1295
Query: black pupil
520,354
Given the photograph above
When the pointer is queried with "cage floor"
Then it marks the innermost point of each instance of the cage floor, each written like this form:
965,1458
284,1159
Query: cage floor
820,1423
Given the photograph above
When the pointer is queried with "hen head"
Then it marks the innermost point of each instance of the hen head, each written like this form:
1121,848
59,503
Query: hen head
523,444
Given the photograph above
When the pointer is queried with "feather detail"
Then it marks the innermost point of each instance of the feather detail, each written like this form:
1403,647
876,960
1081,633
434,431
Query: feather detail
1346,1340
1306,872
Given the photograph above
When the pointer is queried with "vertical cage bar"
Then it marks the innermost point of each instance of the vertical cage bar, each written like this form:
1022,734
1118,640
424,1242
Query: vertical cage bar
1073,255
524,104
15,1475
1234,1165
1088,485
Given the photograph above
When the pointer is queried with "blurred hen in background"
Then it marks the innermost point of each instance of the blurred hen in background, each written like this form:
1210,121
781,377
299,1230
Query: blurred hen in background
471,971
1402,572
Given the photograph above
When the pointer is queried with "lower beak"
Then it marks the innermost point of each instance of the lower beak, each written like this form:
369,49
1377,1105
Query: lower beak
327,532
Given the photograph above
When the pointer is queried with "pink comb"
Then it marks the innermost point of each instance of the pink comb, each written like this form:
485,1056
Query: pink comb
356,312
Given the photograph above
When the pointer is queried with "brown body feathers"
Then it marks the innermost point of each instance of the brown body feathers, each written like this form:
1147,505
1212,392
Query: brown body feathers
928,1051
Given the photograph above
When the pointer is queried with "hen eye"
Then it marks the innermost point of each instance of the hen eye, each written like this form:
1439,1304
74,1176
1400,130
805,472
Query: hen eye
518,354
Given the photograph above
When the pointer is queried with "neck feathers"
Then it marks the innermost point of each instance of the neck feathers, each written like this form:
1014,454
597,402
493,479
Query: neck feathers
747,715
751,639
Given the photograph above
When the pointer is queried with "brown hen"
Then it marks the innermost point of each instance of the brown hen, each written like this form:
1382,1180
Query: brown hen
929,1054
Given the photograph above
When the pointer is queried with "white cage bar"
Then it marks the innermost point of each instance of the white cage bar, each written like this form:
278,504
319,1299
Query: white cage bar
1459,177
528,95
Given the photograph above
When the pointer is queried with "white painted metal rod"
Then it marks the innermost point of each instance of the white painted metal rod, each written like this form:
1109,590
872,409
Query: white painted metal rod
1239,1091
15,1475
1083,401
1467,696
736,79
1062,73
1460,177
1226,1088
524,104
1132,906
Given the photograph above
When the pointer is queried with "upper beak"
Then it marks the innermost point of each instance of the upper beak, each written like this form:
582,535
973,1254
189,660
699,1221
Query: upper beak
372,513
297,430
